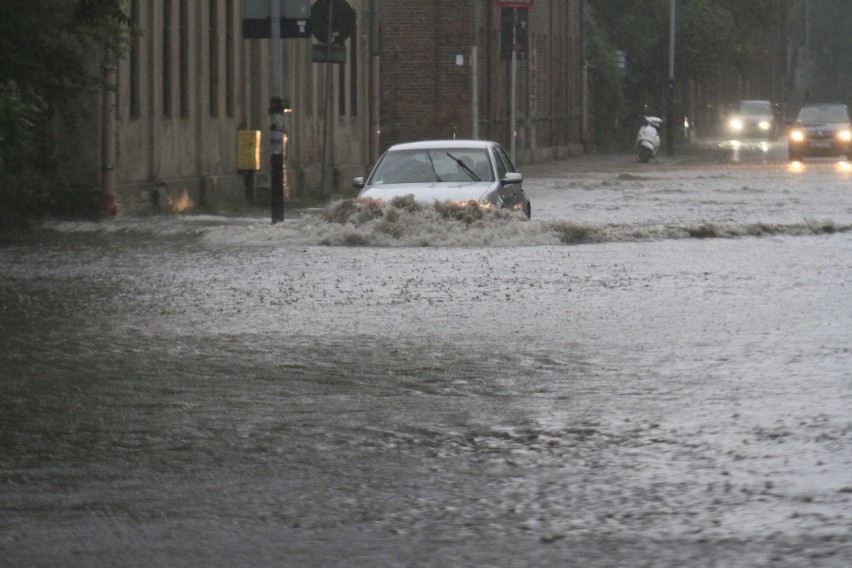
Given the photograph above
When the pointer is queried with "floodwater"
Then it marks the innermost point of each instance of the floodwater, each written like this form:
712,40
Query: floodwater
656,370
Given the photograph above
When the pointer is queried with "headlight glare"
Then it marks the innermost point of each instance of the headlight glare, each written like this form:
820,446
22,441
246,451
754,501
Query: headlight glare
845,135
763,125
736,124
797,136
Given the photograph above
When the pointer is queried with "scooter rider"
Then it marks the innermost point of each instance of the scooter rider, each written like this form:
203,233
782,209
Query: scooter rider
648,138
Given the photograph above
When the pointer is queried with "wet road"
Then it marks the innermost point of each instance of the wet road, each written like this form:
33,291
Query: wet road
654,371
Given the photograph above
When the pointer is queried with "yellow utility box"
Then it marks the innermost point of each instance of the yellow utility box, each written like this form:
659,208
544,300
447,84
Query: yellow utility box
248,150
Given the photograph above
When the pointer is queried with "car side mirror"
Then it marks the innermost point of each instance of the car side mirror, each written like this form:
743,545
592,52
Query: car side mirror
358,182
512,177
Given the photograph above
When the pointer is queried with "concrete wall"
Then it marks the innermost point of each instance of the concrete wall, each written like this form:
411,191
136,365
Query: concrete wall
191,82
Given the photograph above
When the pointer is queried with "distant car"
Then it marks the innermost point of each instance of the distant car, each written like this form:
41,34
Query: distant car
820,130
753,119
447,170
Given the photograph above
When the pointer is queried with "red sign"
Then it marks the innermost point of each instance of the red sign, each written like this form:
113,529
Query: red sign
528,4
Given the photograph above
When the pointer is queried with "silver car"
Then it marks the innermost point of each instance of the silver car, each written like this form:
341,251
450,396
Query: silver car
755,118
447,170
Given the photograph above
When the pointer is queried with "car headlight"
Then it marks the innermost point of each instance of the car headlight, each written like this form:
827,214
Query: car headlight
845,135
764,125
735,124
797,136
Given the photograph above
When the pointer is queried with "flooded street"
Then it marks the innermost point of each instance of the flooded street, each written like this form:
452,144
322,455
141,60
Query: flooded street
656,370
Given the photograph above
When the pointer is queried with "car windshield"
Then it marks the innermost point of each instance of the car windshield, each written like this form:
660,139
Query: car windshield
824,113
433,165
756,108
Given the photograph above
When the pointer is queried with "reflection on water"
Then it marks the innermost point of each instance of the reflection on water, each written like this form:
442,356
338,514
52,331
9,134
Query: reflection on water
795,167
798,167
738,148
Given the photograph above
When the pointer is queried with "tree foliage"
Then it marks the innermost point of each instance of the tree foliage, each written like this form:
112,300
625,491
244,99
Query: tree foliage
821,34
45,47
606,85
709,35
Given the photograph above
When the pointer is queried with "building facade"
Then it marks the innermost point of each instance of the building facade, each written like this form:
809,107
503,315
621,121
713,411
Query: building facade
170,113
447,72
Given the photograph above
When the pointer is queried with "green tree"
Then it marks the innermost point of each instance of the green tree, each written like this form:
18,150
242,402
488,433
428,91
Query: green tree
45,48
606,99
829,75
710,35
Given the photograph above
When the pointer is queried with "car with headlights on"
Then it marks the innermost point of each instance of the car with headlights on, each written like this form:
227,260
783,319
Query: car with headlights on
447,170
753,119
820,130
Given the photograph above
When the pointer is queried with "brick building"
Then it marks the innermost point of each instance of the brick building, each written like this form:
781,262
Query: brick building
166,135
445,74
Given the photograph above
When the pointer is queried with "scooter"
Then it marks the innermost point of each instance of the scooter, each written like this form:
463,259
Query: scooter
648,138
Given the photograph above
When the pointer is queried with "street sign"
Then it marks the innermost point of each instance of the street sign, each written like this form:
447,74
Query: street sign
262,29
295,19
328,53
342,20
514,34
290,9
248,150
528,4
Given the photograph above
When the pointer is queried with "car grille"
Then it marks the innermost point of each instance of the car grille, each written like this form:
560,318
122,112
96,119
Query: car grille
821,135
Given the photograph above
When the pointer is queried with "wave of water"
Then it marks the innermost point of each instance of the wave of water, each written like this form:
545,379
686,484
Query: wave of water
366,223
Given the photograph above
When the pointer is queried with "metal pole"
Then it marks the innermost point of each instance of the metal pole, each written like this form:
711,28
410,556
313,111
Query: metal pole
276,113
807,50
671,86
326,131
108,138
474,71
584,81
807,32
514,97
375,81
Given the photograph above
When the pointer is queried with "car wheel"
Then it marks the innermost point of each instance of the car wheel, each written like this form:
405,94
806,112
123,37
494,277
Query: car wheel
644,154
528,210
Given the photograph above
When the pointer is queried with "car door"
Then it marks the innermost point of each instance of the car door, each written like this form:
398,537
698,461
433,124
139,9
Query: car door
511,193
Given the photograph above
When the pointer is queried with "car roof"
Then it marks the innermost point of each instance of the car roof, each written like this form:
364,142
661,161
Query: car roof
823,110
807,105
426,144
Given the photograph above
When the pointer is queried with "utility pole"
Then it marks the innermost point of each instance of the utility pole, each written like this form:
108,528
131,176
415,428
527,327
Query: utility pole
272,20
514,97
109,71
670,113
327,123
584,81
514,18
474,70
375,81
276,114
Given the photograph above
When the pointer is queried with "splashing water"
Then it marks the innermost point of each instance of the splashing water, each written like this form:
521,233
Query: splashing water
403,222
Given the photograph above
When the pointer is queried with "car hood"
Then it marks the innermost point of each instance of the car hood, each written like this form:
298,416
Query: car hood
429,192
827,126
